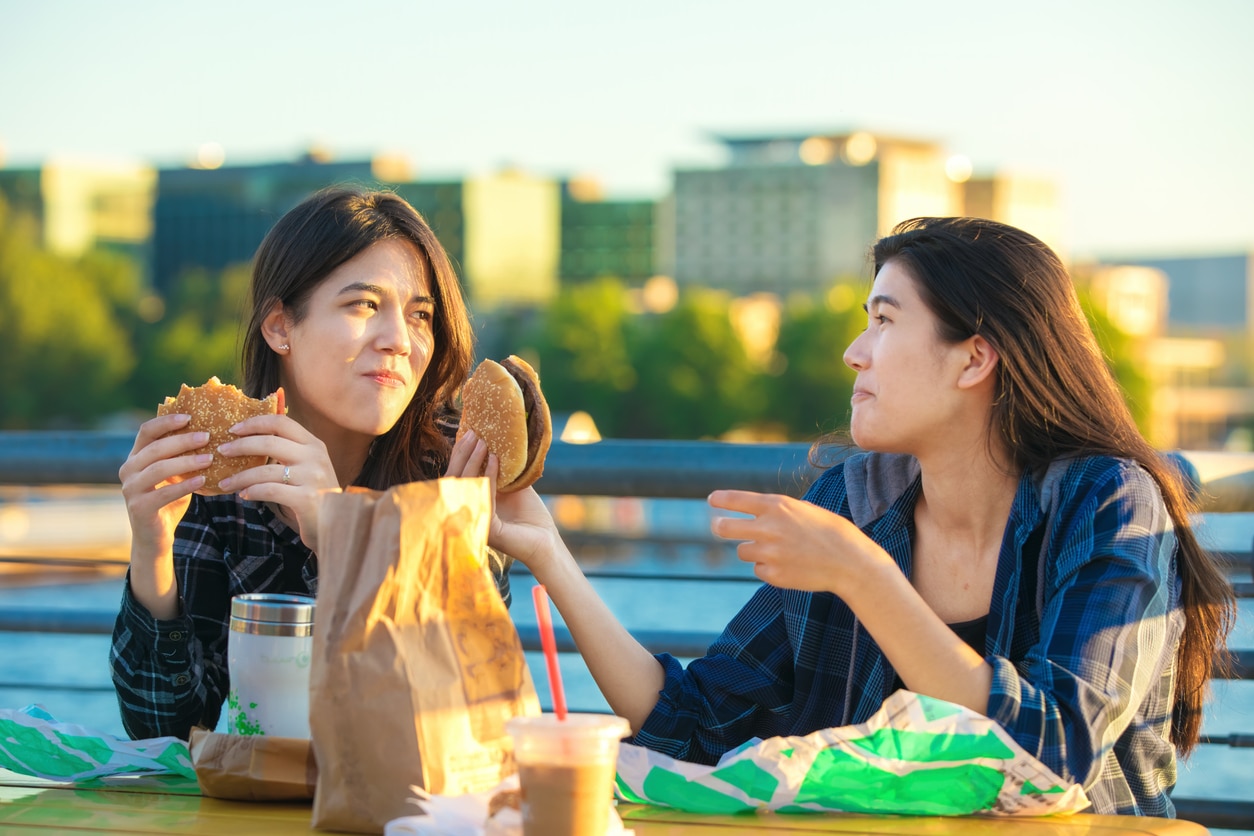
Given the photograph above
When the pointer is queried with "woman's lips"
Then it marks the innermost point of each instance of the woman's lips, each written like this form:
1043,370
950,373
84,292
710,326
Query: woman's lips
387,379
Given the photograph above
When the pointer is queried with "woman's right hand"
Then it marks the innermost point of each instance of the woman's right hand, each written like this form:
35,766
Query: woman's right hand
522,526
158,478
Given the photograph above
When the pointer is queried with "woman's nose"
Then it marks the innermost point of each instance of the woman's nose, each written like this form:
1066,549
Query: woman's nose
855,356
394,336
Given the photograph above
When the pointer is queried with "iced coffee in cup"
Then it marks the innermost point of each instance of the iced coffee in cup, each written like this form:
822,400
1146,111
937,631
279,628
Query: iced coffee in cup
268,652
566,771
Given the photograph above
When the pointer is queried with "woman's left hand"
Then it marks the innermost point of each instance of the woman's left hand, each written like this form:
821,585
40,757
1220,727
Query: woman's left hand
794,544
299,468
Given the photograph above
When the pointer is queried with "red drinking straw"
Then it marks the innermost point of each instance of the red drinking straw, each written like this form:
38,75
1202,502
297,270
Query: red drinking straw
548,643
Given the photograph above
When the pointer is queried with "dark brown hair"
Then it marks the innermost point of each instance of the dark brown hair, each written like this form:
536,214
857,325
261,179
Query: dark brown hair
1055,397
301,250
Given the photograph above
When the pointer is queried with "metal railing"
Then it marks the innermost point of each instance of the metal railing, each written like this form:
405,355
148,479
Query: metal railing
658,469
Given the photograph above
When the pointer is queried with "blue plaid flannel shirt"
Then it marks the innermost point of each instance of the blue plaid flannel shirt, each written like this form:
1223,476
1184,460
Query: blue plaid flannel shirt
1083,672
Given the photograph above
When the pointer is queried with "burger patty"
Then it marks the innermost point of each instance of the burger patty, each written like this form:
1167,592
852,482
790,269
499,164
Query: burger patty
535,421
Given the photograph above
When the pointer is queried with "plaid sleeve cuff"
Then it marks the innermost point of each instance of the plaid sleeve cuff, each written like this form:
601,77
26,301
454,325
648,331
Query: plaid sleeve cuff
1003,697
1027,724
674,673
169,637
659,726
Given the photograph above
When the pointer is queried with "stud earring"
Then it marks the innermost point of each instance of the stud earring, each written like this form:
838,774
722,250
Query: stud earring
285,347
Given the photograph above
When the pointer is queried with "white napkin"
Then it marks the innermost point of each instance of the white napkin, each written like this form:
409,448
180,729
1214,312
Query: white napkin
467,815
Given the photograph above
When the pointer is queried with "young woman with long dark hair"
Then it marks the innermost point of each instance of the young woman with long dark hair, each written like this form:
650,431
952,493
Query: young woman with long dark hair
1007,541
357,316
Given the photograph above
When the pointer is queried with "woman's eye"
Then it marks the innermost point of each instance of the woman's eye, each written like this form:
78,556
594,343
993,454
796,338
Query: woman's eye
369,304
423,315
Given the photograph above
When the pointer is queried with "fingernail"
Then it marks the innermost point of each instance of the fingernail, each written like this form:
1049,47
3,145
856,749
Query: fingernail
182,418
200,438
234,428
204,458
470,436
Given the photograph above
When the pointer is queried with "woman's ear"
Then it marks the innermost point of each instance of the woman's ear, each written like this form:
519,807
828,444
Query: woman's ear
274,328
982,359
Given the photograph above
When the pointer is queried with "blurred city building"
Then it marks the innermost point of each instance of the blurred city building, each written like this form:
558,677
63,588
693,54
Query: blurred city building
85,204
210,218
794,212
787,213
602,237
1192,317
440,202
512,238
1029,202
1207,293
501,230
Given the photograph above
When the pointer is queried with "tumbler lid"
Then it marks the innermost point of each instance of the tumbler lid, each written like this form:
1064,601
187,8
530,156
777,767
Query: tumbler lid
273,607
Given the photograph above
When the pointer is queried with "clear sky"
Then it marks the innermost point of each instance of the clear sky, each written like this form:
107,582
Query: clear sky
1143,110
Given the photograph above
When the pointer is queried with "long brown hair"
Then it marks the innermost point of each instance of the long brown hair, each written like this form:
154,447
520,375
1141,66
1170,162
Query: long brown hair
301,250
1055,397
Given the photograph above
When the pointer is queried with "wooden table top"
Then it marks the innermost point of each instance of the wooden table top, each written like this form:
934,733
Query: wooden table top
153,807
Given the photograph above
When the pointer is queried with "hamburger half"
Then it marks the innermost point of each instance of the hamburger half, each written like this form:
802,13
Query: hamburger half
503,404
215,407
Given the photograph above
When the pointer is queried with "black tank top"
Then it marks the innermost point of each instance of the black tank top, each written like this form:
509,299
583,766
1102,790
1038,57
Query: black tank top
972,632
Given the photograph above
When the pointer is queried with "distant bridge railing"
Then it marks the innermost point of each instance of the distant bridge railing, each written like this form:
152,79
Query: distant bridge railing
650,469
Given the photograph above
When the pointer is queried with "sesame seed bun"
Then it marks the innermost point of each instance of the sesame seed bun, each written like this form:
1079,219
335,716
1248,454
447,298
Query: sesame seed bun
503,404
215,407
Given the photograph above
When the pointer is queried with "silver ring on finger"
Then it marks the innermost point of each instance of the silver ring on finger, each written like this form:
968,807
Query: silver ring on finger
287,474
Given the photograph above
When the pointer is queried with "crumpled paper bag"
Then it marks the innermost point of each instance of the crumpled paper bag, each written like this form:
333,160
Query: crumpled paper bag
253,767
33,742
915,756
416,664
467,815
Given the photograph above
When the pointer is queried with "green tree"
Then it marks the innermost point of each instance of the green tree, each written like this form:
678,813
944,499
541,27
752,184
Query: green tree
581,344
810,390
198,336
65,352
695,380
1123,359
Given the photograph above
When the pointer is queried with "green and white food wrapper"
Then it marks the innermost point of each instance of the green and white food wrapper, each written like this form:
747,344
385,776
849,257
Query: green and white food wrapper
32,742
915,756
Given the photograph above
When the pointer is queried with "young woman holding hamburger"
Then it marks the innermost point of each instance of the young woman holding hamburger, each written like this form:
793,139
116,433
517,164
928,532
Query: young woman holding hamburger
1008,542
359,323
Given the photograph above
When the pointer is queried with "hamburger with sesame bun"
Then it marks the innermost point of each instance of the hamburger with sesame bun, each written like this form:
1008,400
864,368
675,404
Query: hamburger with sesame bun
215,407
503,404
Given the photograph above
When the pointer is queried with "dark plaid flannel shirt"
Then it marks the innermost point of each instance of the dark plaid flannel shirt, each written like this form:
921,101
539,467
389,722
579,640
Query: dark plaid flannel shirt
171,675
1083,674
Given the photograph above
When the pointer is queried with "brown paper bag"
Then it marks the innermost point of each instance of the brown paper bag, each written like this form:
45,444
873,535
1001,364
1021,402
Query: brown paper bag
416,664
253,767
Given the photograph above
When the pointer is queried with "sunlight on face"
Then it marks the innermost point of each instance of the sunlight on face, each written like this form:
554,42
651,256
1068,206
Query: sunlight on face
364,344
904,387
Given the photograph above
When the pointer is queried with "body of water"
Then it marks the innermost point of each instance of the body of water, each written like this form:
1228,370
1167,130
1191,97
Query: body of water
68,674
46,663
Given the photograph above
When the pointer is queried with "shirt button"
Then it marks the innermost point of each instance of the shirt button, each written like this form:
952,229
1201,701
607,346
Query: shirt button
182,679
176,636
